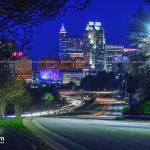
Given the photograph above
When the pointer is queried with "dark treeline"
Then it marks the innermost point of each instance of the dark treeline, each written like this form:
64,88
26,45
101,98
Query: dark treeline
101,81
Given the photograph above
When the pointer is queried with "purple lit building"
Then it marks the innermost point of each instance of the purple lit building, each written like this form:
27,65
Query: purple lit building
50,75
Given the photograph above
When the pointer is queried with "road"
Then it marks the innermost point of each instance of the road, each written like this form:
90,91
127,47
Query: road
90,134
72,104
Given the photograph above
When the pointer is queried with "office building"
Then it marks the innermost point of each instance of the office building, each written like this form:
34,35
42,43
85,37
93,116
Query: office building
110,52
69,46
48,63
120,64
94,46
71,63
74,75
23,68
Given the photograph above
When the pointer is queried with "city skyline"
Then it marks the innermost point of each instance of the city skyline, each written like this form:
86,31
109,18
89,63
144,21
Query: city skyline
112,21
74,74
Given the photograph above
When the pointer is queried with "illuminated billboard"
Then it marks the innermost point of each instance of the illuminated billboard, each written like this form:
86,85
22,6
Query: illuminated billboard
50,74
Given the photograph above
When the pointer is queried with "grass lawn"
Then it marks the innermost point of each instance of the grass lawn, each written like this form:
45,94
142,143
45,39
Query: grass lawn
16,123
18,137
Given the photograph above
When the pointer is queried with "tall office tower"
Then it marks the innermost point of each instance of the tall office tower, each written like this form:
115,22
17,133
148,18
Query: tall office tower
94,46
69,46
63,41
110,52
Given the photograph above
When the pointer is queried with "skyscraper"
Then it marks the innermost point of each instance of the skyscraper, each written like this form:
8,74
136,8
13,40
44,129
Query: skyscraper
69,46
94,46
63,41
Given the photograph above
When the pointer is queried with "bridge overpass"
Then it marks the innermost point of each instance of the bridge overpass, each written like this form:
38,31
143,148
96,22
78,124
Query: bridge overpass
105,102
90,94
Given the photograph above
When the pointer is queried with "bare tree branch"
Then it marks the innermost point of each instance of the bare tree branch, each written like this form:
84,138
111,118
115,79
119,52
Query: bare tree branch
26,14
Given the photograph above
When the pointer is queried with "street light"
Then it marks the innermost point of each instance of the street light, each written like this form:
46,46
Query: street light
148,28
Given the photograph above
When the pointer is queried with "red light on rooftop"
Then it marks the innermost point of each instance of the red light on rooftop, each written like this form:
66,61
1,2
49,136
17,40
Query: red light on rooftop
17,54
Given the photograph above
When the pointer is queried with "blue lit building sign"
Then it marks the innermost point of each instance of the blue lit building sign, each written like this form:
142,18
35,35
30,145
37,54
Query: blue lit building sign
50,75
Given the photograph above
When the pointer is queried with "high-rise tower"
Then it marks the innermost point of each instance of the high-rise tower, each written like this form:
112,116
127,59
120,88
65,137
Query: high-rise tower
94,46
63,40
69,46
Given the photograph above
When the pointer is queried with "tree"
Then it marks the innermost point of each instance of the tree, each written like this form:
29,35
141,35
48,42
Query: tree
147,2
21,98
88,83
139,37
143,91
12,91
137,63
101,81
6,49
132,83
34,12
48,98
5,94
139,29
20,101
19,17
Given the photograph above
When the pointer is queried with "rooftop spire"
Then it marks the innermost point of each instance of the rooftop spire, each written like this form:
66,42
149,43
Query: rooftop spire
62,30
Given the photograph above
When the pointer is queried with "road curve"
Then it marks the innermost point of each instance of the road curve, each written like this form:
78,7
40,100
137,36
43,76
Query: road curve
90,134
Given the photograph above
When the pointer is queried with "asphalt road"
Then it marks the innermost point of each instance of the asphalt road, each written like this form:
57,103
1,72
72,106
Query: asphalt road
90,134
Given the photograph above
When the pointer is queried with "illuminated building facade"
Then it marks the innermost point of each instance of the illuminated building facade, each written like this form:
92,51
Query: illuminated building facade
94,46
123,62
56,70
74,75
110,52
50,75
71,63
23,68
48,63
63,64
120,64
69,46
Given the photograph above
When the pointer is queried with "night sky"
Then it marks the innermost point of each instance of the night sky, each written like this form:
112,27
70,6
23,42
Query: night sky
114,15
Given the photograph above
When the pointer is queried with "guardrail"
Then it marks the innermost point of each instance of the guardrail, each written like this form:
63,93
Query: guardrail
137,116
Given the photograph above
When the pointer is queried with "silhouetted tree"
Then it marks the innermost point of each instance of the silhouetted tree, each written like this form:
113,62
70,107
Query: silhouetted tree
21,100
18,17
143,91
147,2
139,29
12,91
132,83
101,81
139,36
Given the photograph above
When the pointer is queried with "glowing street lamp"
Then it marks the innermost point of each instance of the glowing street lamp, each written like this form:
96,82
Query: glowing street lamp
148,28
